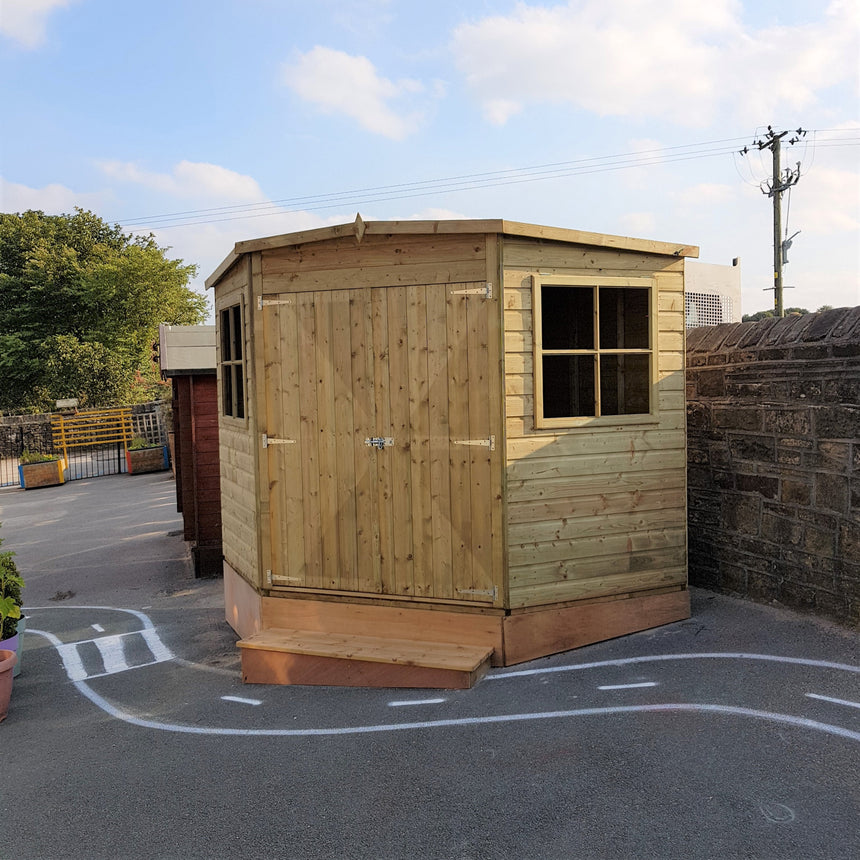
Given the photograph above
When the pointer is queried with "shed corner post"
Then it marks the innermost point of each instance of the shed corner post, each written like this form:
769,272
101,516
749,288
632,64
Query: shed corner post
498,488
256,418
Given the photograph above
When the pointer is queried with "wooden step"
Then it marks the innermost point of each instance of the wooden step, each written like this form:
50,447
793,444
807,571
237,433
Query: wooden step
283,656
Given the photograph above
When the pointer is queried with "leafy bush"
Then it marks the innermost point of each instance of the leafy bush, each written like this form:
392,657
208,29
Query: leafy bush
11,584
27,458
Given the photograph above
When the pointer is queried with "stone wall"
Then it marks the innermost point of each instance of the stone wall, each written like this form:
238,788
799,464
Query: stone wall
773,419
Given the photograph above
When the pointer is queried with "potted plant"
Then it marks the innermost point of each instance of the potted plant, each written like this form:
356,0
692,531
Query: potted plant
39,470
142,456
11,584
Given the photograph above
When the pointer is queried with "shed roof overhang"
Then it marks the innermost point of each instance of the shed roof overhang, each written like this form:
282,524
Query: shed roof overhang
360,228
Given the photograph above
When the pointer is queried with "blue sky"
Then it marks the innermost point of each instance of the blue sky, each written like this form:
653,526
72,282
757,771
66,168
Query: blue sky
258,117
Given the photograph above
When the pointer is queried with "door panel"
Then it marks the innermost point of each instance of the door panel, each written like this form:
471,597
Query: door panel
410,364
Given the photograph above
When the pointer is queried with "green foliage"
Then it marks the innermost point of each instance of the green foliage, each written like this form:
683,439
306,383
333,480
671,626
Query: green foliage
11,584
763,315
27,458
139,443
80,304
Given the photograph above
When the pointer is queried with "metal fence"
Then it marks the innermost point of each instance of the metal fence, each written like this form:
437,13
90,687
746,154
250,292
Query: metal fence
87,458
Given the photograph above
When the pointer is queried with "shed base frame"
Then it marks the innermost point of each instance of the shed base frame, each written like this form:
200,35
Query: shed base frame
513,638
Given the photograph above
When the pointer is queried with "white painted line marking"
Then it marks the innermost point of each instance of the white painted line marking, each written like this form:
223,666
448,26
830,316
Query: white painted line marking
241,701
627,661
113,655
628,686
98,628
159,650
834,701
416,702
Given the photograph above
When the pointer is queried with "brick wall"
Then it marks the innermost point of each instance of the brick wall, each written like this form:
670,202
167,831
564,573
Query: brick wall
773,418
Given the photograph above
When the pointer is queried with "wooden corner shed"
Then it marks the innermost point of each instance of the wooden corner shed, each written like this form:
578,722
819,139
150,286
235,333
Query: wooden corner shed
445,444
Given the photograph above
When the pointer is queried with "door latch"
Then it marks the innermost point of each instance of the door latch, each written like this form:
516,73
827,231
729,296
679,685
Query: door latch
379,442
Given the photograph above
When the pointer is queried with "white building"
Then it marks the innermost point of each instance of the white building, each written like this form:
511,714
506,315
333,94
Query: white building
712,293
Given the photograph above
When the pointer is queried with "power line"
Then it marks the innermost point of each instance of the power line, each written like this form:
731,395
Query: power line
643,158
354,198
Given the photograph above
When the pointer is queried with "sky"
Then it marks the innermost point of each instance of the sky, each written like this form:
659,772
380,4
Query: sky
207,122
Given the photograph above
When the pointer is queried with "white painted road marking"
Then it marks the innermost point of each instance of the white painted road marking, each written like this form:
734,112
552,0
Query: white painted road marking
628,686
834,701
112,652
98,628
241,701
416,702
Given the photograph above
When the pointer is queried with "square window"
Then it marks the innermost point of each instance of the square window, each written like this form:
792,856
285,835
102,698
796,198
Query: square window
593,349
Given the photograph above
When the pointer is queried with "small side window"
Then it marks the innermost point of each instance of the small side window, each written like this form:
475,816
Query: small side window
594,354
232,363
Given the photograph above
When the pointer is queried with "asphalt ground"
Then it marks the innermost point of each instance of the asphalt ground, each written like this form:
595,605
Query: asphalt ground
734,734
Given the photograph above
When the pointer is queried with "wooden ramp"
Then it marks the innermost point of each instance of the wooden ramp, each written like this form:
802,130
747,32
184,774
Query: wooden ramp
282,656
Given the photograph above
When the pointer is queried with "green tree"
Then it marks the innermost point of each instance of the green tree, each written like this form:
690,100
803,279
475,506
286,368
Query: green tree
80,304
763,315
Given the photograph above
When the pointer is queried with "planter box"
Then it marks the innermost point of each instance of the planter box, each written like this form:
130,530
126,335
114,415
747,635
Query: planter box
15,643
147,460
48,474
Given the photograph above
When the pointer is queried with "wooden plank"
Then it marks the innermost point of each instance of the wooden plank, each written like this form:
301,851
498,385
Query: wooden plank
344,437
374,649
481,426
536,634
272,423
459,428
401,476
576,504
476,627
640,478
293,564
381,460
529,553
419,420
273,667
440,441
310,441
329,520
610,439
580,527
636,569
242,603
374,252
364,414
439,272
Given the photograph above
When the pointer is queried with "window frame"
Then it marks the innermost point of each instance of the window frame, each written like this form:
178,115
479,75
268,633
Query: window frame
230,367
567,422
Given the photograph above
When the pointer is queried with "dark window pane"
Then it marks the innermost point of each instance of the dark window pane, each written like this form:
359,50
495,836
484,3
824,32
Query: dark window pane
237,333
240,392
625,384
624,318
567,317
225,336
568,386
227,393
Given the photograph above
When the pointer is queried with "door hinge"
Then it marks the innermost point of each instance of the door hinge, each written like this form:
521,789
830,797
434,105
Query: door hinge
492,592
486,291
269,577
484,443
264,303
379,442
268,440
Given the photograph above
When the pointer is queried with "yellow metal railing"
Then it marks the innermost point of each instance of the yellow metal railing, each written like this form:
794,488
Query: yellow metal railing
94,427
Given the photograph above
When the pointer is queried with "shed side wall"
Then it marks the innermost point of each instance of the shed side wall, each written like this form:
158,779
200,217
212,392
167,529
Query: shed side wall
593,511
236,439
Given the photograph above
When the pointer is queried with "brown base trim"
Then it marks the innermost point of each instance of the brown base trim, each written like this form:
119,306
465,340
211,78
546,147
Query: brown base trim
242,604
395,622
277,667
531,635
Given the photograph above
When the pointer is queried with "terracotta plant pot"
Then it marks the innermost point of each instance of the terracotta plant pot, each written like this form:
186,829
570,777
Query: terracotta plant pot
7,664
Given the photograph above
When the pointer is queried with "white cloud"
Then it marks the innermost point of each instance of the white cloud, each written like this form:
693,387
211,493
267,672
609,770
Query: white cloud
644,58
190,180
639,223
705,194
827,201
52,199
25,21
340,83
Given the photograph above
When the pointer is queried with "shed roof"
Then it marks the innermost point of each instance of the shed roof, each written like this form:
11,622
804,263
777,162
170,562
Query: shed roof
360,228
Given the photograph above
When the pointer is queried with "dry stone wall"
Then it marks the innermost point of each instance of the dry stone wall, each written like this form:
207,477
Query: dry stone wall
773,416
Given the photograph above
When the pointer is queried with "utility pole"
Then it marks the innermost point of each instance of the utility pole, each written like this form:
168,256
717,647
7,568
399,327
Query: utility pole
780,181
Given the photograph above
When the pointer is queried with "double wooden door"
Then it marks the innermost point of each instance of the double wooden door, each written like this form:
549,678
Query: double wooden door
380,442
